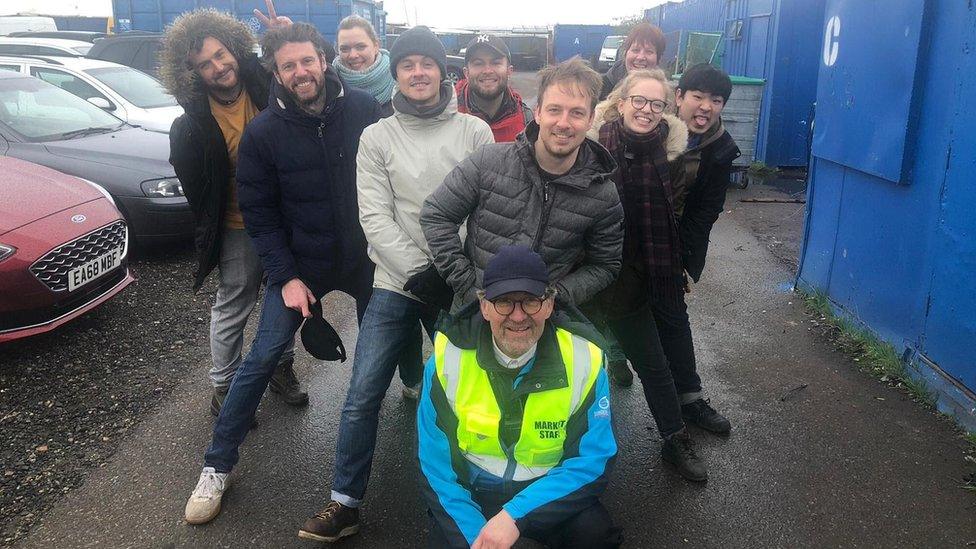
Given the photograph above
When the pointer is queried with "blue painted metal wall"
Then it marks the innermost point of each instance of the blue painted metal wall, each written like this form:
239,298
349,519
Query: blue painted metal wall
792,64
582,40
72,23
901,258
154,15
690,15
779,42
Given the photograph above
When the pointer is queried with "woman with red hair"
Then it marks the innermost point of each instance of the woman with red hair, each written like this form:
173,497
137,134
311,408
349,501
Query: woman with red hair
643,47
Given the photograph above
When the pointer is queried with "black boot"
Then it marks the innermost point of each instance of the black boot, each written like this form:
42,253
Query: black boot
620,373
286,385
679,451
701,413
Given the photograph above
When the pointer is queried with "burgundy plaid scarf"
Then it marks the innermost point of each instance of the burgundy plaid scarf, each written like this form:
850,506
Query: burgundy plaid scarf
645,189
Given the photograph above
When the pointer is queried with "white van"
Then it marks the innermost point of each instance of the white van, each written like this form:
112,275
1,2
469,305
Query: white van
22,23
608,53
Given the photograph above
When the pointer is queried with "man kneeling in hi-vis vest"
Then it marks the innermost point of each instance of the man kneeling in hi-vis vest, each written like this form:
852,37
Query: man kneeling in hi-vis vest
514,419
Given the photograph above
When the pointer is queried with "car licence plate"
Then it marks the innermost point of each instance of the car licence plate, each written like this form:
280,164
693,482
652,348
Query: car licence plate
81,275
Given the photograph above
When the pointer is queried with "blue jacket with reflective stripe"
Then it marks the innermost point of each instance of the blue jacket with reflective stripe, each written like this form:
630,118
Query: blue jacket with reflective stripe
446,476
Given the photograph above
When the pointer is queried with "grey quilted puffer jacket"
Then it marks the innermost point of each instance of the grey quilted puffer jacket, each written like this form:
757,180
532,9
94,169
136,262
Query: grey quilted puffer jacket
575,222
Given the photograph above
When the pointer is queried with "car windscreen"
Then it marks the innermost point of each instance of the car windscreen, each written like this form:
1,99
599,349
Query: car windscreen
37,111
136,87
613,42
83,49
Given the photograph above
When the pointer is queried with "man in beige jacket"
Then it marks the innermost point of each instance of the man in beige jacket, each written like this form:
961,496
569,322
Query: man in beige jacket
401,159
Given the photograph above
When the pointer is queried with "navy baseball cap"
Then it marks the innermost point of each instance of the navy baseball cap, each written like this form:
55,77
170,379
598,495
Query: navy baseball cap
490,42
320,338
515,269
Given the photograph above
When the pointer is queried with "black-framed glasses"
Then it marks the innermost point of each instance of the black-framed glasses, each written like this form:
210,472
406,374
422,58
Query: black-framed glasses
639,101
530,305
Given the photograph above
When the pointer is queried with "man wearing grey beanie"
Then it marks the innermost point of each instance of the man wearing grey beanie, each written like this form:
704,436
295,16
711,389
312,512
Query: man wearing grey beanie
401,160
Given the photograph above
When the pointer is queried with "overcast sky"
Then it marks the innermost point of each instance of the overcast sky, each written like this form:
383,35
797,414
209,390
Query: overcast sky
509,13
435,13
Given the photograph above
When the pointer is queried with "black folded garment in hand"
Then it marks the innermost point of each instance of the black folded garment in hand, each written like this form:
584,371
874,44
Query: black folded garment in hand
320,338
430,288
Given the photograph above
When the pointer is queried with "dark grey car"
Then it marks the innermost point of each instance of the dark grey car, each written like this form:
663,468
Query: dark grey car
46,125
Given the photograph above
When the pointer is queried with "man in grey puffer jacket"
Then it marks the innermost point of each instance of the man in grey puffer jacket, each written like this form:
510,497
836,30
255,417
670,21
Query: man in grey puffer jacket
550,190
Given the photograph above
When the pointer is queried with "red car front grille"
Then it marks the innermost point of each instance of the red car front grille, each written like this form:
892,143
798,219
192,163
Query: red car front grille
53,268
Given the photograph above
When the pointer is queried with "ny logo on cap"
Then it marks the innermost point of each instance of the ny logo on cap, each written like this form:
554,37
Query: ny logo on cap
483,38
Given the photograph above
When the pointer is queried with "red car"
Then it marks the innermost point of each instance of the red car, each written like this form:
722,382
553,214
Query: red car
63,248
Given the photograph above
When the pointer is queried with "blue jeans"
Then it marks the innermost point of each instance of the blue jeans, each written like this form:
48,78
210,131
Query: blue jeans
388,327
276,330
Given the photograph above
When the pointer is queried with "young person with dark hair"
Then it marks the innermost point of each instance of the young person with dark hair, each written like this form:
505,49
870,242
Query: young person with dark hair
296,188
207,64
698,196
484,91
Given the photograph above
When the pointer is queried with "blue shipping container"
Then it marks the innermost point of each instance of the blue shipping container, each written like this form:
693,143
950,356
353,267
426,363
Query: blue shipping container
890,235
154,15
692,15
582,40
72,23
775,40
779,41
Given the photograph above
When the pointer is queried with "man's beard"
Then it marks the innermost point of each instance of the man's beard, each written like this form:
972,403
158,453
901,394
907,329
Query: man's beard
502,87
306,103
217,86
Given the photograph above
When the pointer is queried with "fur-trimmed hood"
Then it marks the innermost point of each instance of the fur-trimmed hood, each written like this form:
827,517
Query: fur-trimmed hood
677,132
186,35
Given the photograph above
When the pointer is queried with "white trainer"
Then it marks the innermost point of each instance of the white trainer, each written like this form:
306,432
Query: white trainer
204,502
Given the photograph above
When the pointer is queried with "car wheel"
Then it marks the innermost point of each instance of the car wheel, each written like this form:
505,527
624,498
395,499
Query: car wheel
454,74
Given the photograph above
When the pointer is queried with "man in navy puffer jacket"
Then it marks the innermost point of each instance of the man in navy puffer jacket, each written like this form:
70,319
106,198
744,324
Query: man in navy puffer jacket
296,179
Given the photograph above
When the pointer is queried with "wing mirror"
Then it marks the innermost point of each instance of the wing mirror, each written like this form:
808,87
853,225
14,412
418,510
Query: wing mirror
102,103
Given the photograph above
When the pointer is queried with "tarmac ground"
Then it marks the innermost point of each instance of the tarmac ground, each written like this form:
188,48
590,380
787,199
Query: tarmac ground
821,454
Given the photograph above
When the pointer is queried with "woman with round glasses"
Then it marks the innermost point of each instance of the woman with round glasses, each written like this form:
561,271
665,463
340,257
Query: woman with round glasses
362,64
645,142
642,49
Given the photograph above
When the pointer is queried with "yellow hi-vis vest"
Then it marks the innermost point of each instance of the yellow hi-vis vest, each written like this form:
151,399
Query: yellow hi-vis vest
543,433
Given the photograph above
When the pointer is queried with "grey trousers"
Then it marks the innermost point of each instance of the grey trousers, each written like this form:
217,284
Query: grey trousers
240,280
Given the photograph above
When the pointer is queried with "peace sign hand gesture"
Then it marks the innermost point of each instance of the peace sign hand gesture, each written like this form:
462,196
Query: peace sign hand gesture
272,20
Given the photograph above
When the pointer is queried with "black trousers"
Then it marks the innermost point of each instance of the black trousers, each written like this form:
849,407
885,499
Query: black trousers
655,337
591,528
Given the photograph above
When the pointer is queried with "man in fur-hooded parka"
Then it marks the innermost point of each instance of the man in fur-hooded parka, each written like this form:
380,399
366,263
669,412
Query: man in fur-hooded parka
198,150
208,64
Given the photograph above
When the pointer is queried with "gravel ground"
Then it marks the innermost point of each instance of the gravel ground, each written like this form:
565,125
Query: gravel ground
69,396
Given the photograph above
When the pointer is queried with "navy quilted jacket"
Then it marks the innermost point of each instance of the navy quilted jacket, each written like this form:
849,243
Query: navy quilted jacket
296,181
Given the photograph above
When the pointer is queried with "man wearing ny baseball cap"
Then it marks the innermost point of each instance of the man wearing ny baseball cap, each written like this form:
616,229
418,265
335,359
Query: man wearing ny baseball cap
484,91
516,391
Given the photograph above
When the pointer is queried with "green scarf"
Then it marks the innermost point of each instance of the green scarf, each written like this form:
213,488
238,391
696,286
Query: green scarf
376,79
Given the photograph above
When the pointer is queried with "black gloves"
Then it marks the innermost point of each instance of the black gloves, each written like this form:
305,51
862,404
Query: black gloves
431,288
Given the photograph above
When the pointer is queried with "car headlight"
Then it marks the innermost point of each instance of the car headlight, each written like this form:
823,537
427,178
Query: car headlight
100,189
162,188
6,251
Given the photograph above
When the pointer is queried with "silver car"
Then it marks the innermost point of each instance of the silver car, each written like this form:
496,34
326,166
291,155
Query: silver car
129,94
46,125
43,46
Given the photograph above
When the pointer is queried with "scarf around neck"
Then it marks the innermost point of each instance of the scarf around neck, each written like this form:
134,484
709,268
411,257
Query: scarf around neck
403,105
375,79
643,182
